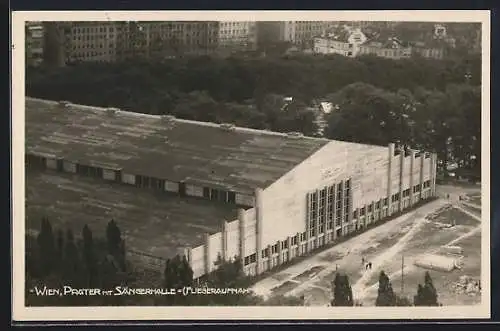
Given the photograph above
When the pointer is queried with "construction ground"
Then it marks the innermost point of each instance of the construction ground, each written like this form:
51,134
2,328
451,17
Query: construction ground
430,233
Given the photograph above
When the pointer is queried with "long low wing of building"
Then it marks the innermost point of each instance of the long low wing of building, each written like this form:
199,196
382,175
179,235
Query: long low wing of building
293,194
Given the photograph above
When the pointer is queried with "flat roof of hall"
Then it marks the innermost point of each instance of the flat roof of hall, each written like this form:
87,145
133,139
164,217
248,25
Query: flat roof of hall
156,223
180,150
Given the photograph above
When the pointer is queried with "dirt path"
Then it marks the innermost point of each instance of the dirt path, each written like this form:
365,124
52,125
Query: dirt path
463,210
470,204
411,267
359,288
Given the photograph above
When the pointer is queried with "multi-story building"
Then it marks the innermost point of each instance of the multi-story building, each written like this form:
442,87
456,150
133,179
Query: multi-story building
390,50
111,41
429,52
294,32
235,35
34,43
346,43
166,38
67,42
211,190
92,41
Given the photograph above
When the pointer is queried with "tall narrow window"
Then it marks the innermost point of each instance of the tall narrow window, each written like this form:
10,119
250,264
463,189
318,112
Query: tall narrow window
231,197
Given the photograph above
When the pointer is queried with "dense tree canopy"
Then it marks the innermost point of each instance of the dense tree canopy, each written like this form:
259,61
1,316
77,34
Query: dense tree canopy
447,122
141,85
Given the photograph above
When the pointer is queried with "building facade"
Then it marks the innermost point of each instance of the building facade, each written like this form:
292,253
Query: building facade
112,41
34,43
323,199
429,53
233,35
294,32
348,46
379,50
291,199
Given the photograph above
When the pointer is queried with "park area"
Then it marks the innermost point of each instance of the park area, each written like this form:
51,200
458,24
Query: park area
442,237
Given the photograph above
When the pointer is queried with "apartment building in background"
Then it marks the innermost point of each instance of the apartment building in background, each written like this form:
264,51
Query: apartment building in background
235,35
167,38
392,49
112,41
294,32
352,41
34,43
346,43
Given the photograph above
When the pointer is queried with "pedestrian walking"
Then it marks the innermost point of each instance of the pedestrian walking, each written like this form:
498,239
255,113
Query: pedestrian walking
363,260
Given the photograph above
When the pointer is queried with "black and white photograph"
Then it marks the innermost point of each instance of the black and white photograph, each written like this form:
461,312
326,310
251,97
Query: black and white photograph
251,159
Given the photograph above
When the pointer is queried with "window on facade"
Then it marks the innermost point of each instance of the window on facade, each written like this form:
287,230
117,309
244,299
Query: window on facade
265,253
274,249
355,214
330,212
253,258
206,192
369,208
231,197
222,195
302,236
160,184
377,205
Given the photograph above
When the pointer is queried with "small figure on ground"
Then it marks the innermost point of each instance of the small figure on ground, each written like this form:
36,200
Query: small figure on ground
363,260
370,265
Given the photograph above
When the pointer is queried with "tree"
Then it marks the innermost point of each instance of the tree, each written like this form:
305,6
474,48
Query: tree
47,249
342,291
426,294
115,243
366,114
71,258
89,257
386,296
59,246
